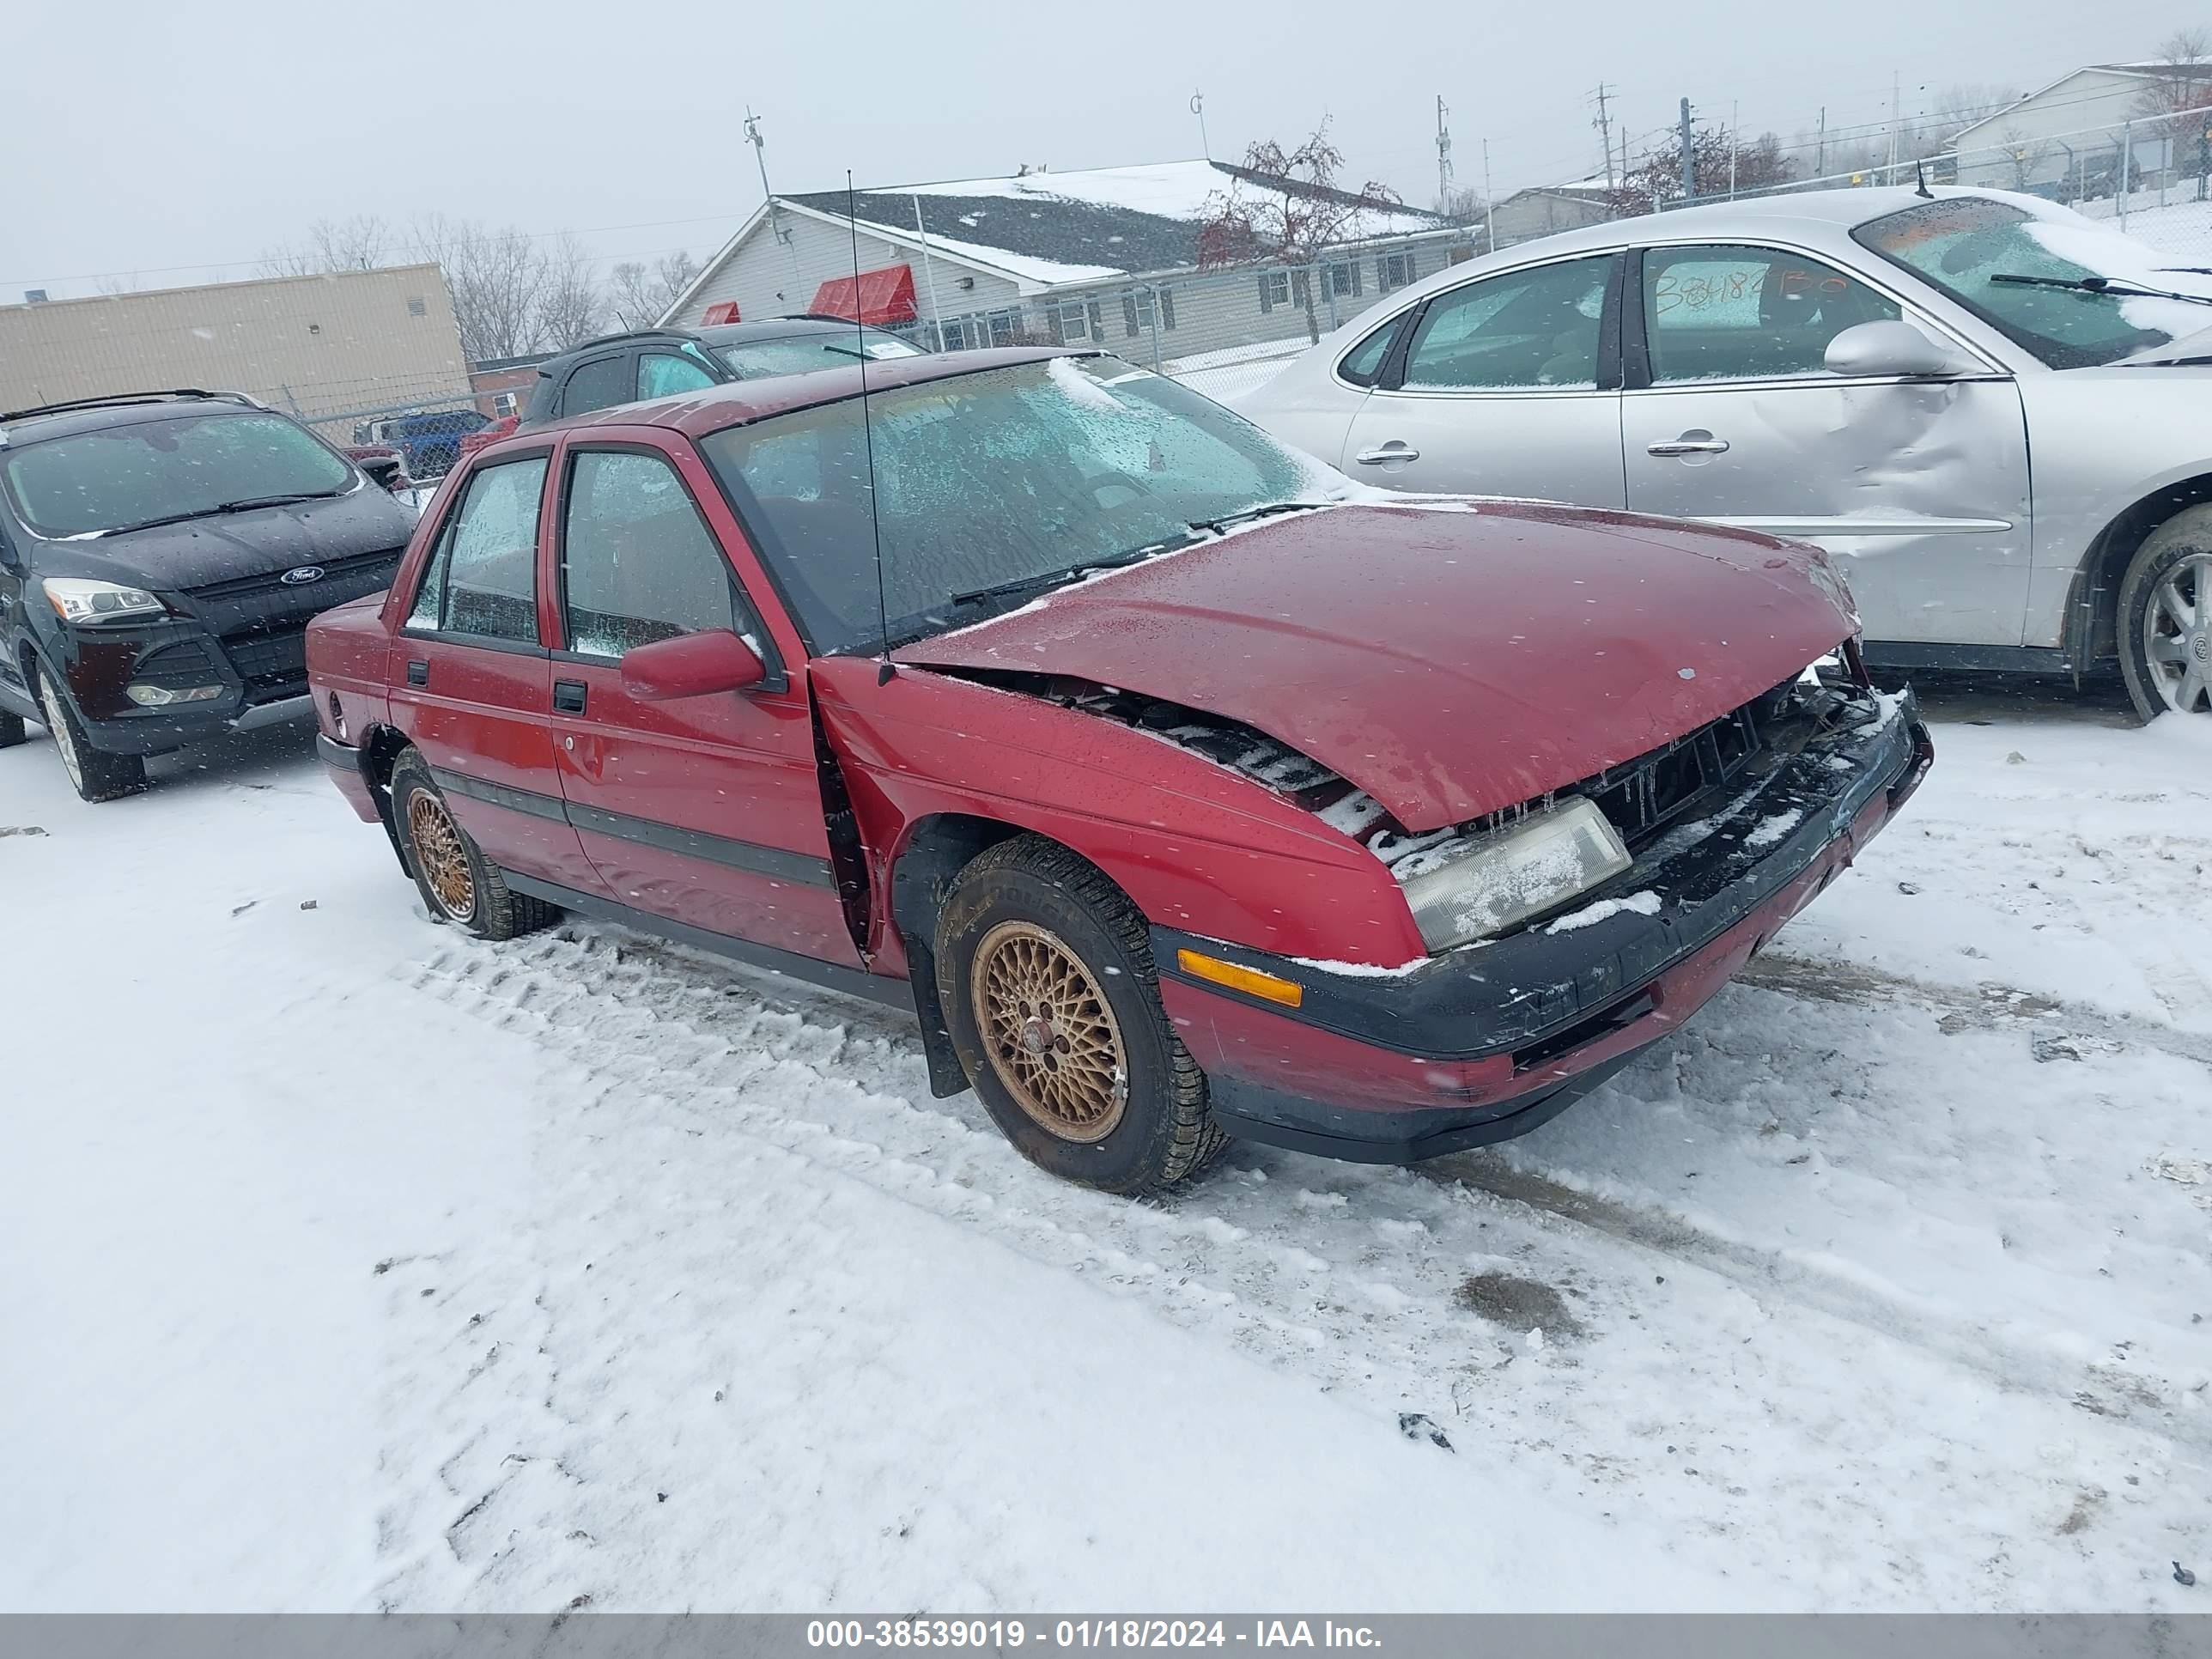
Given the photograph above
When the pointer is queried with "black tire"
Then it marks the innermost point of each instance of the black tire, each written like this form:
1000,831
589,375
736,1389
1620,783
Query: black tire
2179,551
457,883
12,731
1151,1130
95,774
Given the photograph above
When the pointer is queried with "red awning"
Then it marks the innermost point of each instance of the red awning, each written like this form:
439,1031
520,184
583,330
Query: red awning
874,296
722,311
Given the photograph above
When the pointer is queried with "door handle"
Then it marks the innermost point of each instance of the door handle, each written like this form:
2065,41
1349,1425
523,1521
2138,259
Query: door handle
569,697
1393,451
418,673
1690,443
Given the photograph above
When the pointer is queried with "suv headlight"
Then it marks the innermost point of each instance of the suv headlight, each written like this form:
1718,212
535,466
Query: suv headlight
1468,890
79,599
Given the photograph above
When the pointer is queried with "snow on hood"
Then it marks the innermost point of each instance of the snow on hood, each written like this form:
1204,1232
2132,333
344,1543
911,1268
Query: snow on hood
1450,664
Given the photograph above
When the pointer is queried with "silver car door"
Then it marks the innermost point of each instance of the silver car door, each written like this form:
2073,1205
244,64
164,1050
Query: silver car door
1505,386
1919,488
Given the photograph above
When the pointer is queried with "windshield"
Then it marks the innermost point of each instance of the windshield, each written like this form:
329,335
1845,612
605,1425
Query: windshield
1961,244
802,354
988,480
178,466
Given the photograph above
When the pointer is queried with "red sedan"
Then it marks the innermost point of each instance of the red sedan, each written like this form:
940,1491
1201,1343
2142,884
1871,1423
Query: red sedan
1180,791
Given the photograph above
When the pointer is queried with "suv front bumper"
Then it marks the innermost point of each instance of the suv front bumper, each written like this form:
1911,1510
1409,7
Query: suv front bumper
1485,1043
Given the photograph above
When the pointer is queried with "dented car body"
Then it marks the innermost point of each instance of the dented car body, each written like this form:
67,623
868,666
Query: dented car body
1181,791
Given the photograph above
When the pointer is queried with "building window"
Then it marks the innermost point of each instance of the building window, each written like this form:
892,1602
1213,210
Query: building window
1344,279
502,405
1006,327
952,334
1274,290
1394,269
416,308
1072,319
1145,309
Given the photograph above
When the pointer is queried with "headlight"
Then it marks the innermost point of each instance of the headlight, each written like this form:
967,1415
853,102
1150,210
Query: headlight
77,599
1468,890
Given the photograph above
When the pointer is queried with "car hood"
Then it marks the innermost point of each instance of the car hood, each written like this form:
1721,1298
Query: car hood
233,546
1451,658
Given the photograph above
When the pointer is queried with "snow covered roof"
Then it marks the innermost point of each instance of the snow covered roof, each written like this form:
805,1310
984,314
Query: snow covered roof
1090,226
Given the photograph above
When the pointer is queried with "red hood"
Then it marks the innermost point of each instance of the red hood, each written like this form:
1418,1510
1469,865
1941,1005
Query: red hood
1448,662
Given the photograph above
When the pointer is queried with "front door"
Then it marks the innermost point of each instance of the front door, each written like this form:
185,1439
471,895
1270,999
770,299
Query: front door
1504,388
471,681
1919,488
706,811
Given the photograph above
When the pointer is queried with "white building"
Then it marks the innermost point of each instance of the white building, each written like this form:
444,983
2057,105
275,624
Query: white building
2068,139
1109,257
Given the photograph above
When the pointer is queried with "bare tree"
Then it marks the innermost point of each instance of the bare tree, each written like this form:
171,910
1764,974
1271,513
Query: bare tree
570,307
1464,205
639,294
497,279
360,243
1289,207
2181,75
1718,165
2023,154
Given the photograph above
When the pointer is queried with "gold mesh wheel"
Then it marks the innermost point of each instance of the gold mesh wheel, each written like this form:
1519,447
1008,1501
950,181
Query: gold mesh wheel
440,855
1050,1034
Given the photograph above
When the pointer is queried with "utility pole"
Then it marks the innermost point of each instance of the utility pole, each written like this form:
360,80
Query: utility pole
1893,98
1198,108
1604,125
1489,215
1444,157
1689,158
1820,149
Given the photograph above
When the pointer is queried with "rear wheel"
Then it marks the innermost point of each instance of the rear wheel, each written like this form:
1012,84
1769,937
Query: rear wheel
95,776
1045,970
457,883
11,730
2166,618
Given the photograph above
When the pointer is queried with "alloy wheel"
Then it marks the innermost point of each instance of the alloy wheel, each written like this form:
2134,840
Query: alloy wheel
58,723
2177,633
1049,1032
441,856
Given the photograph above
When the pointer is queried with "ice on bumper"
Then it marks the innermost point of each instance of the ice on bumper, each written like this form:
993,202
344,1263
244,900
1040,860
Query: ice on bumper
1485,884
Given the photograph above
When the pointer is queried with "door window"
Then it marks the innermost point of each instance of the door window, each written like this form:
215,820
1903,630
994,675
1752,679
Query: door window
664,375
1526,328
600,383
482,578
638,563
1737,313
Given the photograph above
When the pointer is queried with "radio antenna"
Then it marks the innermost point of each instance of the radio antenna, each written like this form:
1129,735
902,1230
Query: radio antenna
883,670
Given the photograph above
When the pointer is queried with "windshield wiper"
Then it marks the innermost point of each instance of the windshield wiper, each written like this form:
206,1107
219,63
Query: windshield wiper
1247,515
245,505
1067,573
2111,285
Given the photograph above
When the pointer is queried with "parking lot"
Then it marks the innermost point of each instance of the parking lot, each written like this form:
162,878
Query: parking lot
375,1268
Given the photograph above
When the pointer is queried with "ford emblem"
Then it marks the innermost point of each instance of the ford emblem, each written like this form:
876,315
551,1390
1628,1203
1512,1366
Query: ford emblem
301,576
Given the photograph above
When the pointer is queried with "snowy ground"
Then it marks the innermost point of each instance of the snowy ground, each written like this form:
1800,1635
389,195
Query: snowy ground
345,1263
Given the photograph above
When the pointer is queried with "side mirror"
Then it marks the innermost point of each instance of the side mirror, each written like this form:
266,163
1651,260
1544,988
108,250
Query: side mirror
1874,350
388,470
691,666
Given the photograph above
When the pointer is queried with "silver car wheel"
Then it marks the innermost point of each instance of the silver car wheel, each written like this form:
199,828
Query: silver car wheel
58,723
2177,635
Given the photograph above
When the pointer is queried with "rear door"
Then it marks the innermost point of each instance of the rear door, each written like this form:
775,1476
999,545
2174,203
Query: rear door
471,678
1918,487
1505,386
706,811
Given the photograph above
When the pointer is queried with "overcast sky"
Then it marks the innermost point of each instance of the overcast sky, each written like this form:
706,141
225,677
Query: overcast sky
154,146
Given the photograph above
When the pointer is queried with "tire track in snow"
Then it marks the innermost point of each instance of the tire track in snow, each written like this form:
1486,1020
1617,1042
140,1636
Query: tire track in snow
1355,1280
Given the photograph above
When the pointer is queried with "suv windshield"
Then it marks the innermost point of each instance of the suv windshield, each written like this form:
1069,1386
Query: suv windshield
179,466
1961,244
993,487
801,354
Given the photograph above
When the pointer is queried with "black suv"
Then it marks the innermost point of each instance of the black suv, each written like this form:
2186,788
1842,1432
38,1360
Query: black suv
648,363
161,554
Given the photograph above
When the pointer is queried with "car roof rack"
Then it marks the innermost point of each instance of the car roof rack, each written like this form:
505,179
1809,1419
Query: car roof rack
113,398
635,334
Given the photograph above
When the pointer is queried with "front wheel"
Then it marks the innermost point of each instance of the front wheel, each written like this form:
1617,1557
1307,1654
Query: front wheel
95,774
2166,618
1045,972
457,883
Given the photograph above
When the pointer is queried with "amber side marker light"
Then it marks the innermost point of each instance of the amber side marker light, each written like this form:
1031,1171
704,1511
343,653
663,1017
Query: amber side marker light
1250,981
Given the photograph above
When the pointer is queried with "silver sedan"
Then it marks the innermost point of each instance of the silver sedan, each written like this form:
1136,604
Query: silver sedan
1996,413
